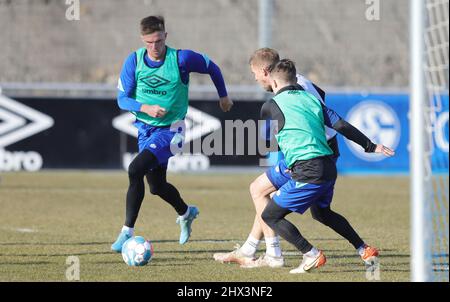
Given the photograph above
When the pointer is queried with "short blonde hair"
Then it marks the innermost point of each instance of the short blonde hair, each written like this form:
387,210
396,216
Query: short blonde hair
264,56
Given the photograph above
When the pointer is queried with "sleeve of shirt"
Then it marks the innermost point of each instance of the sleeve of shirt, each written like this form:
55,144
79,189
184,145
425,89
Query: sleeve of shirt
330,116
353,134
127,85
266,113
266,116
272,115
191,61
333,120
319,91
271,112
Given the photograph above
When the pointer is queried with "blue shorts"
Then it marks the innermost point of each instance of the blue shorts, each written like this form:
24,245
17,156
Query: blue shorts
161,141
298,197
278,175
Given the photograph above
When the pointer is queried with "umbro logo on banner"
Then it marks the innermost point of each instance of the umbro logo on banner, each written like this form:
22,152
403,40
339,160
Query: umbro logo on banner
18,121
155,81
198,123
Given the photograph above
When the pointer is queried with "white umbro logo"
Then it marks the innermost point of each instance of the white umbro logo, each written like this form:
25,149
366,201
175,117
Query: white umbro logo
18,121
198,123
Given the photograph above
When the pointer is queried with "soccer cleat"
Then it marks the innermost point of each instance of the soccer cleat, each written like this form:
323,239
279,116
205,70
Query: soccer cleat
310,263
117,245
265,261
185,224
370,255
235,256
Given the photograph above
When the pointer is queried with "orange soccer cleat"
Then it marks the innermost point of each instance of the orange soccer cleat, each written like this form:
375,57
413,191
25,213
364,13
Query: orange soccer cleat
370,255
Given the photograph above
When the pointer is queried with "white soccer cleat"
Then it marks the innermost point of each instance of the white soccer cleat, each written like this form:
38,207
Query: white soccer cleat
310,263
235,256
265,261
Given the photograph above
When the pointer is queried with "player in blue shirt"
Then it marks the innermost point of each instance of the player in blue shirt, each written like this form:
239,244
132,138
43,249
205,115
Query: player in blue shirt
153,85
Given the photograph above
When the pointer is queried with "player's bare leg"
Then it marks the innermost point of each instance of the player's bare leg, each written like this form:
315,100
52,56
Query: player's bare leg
260,190
257,231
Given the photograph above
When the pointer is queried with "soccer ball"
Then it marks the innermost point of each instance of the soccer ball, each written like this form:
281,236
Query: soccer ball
137,251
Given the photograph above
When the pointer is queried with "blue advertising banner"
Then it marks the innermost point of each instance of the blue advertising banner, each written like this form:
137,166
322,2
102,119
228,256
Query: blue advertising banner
384,119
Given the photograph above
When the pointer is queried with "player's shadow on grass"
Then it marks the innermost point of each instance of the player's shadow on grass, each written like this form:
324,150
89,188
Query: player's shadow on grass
53,243
359,268
383,255
27,263
110,242
170,265
363,271
157,262
58,255
189,251
327,251
199,240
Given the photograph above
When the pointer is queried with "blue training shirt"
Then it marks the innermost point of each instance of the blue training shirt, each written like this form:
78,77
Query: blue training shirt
188,61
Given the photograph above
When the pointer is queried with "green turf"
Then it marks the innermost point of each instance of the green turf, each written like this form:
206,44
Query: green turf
46,217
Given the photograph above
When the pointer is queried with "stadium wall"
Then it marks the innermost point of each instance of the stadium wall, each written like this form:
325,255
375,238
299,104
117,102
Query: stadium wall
332,41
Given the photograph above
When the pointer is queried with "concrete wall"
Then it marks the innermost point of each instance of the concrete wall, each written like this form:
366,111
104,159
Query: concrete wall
331,40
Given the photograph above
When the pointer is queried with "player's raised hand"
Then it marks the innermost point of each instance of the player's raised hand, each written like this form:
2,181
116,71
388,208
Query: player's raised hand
153,110
225,103
385,150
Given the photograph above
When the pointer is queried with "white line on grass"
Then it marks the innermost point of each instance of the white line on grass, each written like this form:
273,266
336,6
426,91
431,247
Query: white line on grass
21,230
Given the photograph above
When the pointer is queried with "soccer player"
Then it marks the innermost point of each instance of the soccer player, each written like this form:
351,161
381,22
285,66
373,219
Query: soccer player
275,177
301,137
153,85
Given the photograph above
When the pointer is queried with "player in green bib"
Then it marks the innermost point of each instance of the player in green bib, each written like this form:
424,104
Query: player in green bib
301,119
276,176
154,85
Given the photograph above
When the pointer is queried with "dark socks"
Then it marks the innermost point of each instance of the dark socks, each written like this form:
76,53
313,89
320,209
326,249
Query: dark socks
338,223
143,162
159,186
146,164
274,216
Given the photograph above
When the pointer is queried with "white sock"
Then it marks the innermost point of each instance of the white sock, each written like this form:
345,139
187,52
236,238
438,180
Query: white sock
130,231
273,246
361,249
250,246
185,215
312,253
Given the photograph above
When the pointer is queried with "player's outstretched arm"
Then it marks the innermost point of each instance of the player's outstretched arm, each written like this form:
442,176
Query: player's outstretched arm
191,61
333,120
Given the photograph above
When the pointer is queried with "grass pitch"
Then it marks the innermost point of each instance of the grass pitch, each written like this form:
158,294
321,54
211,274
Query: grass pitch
46,217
